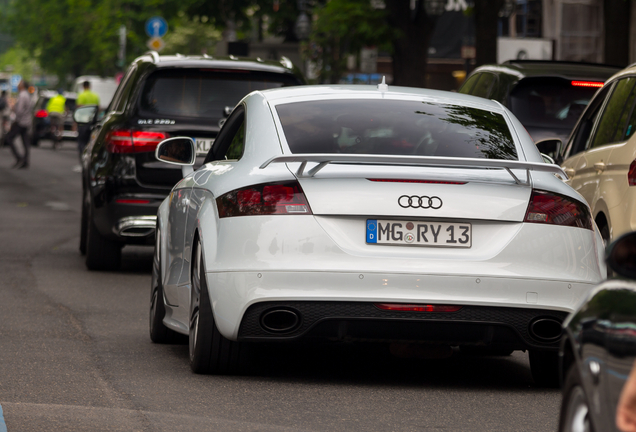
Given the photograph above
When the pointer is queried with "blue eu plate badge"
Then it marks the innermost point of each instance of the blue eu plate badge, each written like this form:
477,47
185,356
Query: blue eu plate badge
372,231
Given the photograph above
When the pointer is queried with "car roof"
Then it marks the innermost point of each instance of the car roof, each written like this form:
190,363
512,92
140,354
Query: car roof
542,68
229,62
314,92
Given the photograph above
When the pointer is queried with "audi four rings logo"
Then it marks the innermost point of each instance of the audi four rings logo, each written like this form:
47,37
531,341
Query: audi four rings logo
424,202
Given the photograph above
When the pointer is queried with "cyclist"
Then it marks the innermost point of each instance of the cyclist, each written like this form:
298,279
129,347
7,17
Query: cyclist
57,108
87,97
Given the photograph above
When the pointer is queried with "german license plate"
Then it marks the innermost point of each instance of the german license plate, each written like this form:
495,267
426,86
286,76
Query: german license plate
412,233
203,145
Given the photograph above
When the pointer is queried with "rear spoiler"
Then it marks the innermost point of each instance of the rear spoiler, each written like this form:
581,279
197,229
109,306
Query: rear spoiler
428,161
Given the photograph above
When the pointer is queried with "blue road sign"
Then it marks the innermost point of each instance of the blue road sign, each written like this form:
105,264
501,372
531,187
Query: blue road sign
15,80
156,27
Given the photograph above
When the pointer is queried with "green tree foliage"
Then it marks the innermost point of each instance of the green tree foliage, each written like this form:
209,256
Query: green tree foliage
19,61
74,37
344,27
223,12
194,36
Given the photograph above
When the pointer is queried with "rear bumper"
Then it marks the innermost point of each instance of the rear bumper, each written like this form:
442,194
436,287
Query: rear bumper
495,327
136,226
128,223
235,294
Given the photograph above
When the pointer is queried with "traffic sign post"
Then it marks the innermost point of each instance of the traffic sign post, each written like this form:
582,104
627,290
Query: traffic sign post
155,43
156,27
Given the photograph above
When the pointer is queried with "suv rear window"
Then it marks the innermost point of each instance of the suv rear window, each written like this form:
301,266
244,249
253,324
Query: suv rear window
203,92
395,127
549,102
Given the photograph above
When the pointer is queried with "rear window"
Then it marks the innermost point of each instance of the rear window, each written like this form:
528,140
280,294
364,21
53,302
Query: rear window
549,102
393,127
203,93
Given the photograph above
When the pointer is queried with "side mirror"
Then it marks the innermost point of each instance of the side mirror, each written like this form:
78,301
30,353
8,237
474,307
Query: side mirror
621,255
85,114
551,147
177,151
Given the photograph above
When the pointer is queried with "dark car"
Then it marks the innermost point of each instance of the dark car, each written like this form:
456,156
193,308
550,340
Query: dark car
598,347
158,97
546,96
42,123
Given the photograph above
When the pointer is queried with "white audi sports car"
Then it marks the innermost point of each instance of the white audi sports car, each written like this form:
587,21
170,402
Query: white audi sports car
363,213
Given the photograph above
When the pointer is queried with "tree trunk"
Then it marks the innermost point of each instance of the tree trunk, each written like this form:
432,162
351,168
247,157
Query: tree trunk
486,16
616,16
410,51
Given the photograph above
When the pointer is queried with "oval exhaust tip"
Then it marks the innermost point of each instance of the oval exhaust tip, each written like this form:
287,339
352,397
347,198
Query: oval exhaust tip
280,320
546,329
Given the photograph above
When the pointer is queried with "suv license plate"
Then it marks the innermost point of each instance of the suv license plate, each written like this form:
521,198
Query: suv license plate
202,145
419,233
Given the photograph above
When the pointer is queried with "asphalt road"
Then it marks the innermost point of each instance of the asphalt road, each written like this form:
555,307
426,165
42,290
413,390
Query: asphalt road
75,353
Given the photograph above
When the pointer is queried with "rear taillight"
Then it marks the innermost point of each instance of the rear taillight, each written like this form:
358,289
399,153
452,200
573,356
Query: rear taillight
41,114
402,307
631,174
264,199
550,208
595,84
129,141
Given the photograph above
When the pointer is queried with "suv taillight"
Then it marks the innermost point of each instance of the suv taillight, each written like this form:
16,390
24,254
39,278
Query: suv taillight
550,208
130,141
264,199
631,174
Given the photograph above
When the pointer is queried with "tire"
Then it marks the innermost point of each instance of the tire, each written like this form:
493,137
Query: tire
605,234
84,224
544,366
101,253
574,408
159,333
210,352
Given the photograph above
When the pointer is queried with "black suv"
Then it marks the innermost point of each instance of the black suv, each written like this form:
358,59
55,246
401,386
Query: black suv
546,96
158,97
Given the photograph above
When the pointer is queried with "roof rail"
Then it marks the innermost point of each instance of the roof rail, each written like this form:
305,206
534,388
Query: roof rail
286,62
154,55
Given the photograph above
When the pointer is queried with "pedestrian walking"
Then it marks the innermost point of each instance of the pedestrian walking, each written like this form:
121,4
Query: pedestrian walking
20,126
4,116
87,97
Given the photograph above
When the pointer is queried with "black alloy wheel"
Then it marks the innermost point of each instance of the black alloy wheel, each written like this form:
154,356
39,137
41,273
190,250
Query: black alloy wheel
101,253
544,366
575,410
210,351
